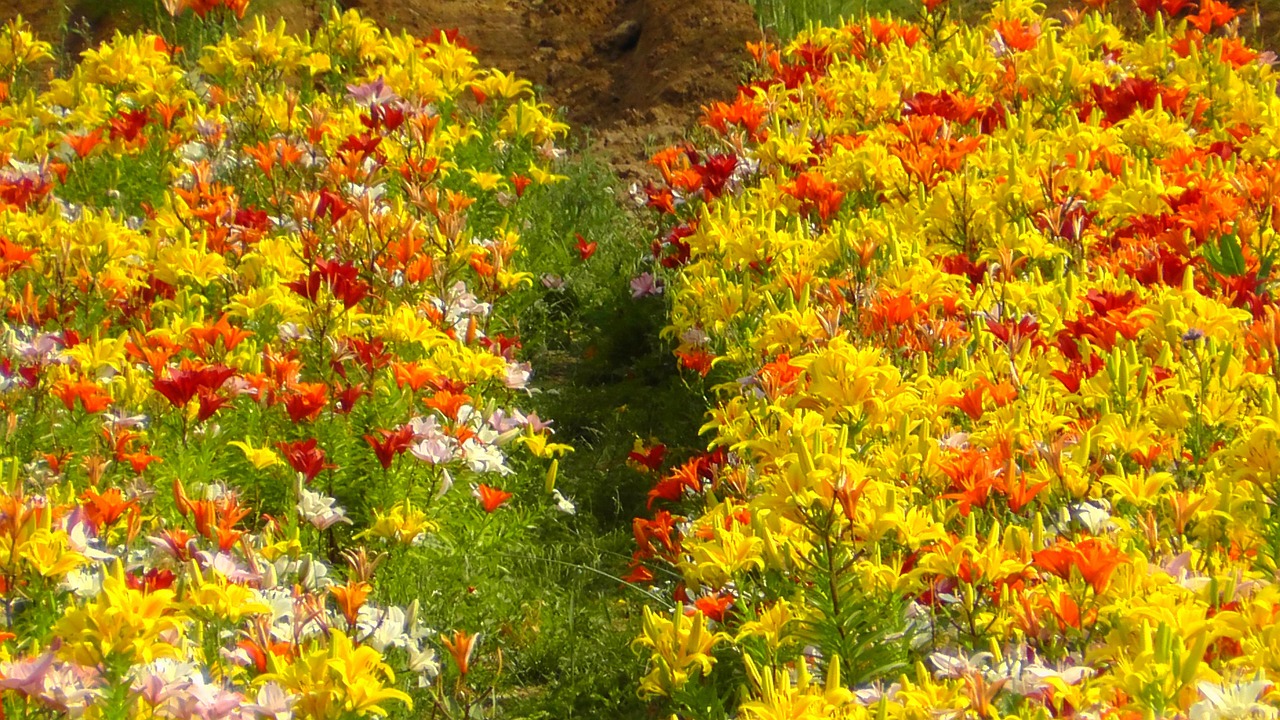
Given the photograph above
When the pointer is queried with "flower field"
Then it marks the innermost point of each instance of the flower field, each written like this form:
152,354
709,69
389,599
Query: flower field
983,314
255,330
989,319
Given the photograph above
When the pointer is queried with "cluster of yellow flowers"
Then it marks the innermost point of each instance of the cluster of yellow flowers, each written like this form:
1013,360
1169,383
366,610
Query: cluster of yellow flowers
992,318
252,294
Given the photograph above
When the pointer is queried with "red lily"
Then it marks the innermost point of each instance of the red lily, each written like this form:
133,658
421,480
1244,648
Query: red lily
650,458
182,385
306,401
344,401
210,403
304,457
491,498
585,249
391,444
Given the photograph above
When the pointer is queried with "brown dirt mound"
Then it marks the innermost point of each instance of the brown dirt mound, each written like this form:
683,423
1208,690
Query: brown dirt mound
633,72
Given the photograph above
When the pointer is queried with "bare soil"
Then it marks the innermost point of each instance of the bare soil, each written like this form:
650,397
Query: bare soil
632,73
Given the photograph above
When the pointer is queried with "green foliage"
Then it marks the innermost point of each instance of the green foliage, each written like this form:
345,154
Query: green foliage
528,583
605,379
865,628
1226,257
125,184
786,18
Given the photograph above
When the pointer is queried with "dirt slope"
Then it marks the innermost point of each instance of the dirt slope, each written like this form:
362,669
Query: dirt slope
630,70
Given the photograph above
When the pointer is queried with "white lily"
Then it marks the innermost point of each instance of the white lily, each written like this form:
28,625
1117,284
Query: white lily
1234,701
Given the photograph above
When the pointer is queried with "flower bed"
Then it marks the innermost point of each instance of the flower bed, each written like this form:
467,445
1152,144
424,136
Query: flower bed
254,331
989,315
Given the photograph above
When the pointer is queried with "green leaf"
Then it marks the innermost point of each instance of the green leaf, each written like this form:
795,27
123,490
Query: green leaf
866,629
1267,262
1226,257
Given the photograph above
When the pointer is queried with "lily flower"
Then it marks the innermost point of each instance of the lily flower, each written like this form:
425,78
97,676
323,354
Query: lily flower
319,510
1233,701
25,676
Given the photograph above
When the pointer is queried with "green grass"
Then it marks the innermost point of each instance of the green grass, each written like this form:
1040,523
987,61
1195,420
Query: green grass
606,379
547,589
786,18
